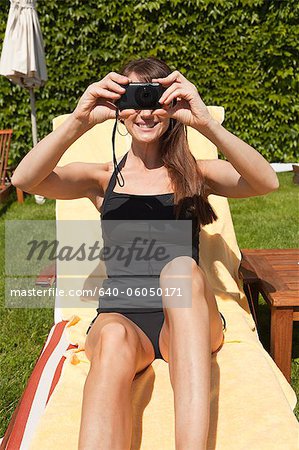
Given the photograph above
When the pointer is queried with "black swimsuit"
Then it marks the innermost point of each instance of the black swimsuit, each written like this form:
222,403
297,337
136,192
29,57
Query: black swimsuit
123,206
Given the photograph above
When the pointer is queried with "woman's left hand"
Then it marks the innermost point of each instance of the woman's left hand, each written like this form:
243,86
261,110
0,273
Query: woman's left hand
189,109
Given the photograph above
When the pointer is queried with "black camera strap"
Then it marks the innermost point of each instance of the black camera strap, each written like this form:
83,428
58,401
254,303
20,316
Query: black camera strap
116,168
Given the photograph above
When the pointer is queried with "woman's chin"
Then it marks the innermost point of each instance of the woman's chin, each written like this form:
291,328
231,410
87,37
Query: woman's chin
147,136
146,139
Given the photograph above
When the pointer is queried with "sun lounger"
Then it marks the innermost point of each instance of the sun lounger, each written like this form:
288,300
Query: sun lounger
251,401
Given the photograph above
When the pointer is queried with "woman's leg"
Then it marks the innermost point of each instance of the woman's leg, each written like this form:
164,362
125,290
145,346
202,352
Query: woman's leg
117,349
188,337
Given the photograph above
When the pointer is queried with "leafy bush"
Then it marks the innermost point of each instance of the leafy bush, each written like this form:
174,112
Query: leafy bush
241,54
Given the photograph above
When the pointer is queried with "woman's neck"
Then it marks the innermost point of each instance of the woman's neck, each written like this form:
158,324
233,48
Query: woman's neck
145,156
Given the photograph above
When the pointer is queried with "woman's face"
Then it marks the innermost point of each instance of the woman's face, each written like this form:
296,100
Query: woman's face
144,125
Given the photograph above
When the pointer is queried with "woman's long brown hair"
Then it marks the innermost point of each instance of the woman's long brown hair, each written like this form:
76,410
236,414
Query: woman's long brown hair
187,179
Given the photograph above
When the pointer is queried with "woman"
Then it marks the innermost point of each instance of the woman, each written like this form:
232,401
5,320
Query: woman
158,166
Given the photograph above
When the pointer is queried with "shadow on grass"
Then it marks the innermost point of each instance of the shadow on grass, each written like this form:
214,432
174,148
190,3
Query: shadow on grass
4,207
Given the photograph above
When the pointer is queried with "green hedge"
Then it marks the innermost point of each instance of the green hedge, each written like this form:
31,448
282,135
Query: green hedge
240,54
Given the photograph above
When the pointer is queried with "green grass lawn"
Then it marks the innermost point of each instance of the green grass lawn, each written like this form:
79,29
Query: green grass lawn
270,221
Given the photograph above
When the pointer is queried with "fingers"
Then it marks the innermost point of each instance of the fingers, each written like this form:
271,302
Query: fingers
170,111
161,112
109,86
171,78
114,87
176,83
176,94
125,113
169,91
178,91
100,92
121,79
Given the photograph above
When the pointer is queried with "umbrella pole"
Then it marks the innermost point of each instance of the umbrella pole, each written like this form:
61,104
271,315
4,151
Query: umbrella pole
38,198
33,117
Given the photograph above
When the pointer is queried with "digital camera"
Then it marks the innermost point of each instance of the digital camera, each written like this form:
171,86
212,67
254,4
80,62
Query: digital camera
140,96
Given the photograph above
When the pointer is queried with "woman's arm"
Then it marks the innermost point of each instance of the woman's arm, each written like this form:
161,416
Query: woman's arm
246,169
245,159
37,172
43,158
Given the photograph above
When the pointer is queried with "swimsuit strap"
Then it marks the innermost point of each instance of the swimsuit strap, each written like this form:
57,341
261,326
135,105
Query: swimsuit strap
112,181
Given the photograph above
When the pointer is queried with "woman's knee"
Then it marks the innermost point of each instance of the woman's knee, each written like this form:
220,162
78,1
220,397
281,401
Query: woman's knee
115,347
179,266
183,269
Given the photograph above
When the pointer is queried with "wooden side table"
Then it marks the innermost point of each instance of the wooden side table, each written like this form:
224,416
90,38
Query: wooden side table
275,274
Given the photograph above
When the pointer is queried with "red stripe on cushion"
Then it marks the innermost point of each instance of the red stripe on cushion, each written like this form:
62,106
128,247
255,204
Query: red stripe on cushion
14,434
58,372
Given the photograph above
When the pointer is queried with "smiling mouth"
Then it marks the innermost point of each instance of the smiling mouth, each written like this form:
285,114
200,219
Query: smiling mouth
146,125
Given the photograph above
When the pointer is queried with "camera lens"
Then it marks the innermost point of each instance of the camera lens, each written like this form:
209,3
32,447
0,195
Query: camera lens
146,96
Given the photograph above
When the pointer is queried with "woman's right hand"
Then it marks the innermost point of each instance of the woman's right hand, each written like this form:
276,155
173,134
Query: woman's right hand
97,103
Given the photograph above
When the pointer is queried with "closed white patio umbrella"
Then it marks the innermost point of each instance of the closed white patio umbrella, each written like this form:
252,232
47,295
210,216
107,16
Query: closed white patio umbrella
22,58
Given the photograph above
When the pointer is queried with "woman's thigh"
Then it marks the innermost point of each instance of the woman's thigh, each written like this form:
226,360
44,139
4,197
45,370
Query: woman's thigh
138,339
217,334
